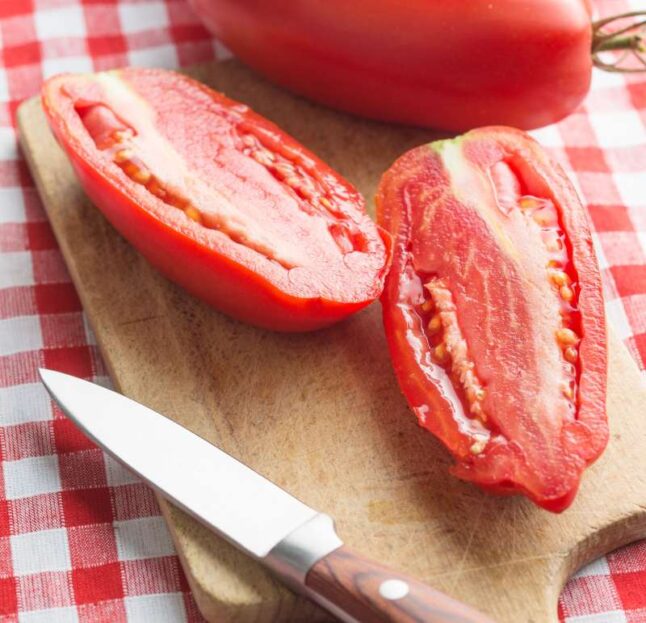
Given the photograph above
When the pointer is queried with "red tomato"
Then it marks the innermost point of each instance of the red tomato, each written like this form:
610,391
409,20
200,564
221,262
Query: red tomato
455,64
219,199
494,313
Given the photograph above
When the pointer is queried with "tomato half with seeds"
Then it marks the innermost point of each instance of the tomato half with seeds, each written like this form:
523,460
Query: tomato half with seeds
494,313
219,199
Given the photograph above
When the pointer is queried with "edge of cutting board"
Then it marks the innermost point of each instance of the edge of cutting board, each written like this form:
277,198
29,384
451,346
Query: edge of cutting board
169,351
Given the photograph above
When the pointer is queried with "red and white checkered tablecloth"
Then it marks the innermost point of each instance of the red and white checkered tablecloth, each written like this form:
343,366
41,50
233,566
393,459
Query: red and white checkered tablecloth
81,539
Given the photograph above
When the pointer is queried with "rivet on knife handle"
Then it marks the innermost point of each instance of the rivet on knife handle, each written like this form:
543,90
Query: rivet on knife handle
314,561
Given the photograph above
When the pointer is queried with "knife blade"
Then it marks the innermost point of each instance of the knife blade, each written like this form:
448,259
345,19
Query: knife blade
298,543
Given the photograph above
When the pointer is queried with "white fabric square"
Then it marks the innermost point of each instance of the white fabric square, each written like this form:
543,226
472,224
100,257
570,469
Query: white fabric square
618,129
52,615
168,608
20,334
142,16
616,316
613,616
24,403
117,474
8,148
597,567
35,552
160,56
12,203
549,136
31,476
62,22
16,269
631,187
4,86
147,537
641,235
71,64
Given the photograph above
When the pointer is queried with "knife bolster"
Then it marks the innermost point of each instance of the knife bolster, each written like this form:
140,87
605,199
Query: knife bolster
293,557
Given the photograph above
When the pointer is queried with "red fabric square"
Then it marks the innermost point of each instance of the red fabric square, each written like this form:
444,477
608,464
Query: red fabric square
76,360
152,575
49,589
8,596
54,298
610,218
6,566
36,512
97,583
5,528
20,368
113,611
92,545
49,266
631,588
107,44
41,236
63,330
640,345
69,438
87,506
629,279
587,159
133,501
193,615
82,470
25,54
13,237
26,440
9,8
18,301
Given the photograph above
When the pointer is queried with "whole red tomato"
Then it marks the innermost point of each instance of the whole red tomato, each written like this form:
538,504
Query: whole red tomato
454,64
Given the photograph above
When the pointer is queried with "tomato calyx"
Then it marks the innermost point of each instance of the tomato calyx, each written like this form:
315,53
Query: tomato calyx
628,38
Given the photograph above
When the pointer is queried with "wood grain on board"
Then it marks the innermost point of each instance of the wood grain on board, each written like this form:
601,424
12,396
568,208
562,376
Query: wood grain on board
321,413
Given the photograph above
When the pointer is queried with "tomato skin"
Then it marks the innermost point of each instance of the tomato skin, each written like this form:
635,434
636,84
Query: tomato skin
455,65
534,445
226,276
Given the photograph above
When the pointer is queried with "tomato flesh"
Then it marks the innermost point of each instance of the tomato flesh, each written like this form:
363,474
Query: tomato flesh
494,313
219,199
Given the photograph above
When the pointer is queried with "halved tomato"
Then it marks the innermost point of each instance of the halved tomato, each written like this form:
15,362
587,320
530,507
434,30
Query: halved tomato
219,199
494,312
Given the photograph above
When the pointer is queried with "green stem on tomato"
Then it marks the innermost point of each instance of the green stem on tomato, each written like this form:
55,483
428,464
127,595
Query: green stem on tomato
630,39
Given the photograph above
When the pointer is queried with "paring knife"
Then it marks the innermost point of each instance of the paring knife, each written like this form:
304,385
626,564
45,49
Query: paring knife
296,542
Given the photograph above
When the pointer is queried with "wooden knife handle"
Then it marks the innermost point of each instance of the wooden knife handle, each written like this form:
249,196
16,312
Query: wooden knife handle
371,593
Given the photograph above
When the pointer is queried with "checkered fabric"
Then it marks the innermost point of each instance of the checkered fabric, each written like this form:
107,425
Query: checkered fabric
81,539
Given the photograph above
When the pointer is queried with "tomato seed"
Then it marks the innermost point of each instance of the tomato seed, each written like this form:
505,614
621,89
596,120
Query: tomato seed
440,353
123,155
559,278
566,337
566,293
478,446
435,324
571,354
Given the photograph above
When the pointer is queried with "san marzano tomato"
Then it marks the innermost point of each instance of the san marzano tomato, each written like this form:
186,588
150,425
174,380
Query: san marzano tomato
452,64
494,313
219,199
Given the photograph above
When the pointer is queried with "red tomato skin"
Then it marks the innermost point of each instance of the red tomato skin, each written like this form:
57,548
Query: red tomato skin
215,278
454,65
507,466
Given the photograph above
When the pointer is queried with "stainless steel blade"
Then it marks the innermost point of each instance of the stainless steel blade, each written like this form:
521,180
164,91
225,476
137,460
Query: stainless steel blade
240,504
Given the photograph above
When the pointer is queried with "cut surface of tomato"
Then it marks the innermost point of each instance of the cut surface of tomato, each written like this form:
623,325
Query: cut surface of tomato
494,313
219,199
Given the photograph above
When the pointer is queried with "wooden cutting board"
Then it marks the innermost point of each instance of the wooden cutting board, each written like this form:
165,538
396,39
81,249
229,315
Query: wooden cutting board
321,413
